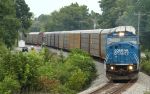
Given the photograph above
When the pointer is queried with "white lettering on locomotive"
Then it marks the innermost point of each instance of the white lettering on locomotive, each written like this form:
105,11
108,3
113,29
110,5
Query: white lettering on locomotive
121,52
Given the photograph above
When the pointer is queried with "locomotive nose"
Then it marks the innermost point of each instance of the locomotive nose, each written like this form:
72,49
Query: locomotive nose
122,53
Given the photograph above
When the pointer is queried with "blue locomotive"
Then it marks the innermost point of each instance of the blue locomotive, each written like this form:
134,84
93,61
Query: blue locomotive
122,54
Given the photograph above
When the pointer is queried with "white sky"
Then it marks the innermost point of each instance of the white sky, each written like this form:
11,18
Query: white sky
39,7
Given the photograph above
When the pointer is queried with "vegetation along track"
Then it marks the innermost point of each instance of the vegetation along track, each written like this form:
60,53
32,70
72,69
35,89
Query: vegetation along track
114,87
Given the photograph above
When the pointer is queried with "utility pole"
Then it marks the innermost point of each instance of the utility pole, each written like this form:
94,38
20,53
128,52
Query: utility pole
139,19
94,23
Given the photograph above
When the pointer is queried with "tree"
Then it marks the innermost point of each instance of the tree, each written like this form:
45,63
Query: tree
124,12
127,15
109,15
94,17
70,17
43,19
74,17
8,22
118,12
23,14
35,27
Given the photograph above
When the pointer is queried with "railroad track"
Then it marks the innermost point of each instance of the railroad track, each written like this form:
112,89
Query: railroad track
114,88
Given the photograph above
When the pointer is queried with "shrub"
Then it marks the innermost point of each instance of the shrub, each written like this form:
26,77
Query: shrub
83,61
45,71
73,73
21,65
77,80
9,85
145,65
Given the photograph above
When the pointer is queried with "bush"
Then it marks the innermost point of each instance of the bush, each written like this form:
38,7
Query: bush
22,66
9,85
83,61
145,65
45,71
73,74
77,80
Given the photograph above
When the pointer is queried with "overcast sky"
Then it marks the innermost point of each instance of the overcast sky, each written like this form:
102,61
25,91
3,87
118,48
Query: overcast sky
39,7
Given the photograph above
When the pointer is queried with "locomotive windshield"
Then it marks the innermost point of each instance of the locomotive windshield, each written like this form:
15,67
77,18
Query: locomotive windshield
122,39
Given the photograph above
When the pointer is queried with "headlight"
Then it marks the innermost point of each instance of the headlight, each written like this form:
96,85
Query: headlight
130,67
121,34
112,67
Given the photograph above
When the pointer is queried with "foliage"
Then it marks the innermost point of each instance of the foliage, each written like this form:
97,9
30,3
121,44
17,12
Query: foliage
45,71
49,56
73,74
36,26
9,85
18,70
72,17
145,65
126,12
23,14
77,80
82,60
145,40
8,22
8,82
13,16
109,15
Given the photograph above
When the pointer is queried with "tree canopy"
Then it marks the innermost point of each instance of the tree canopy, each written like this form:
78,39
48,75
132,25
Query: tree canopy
126,12
23,14
13,15
70,17
8,22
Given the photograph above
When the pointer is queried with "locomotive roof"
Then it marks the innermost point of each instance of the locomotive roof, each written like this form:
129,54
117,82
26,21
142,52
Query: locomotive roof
34,33
125,28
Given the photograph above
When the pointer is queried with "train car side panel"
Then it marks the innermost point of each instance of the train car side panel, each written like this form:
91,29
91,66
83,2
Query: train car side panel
48,40
94,44
52,40
61,39
56,40
66,41
77,40
85,41
71,40
74,39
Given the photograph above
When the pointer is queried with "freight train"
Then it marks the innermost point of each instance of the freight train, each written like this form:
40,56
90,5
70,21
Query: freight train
118,46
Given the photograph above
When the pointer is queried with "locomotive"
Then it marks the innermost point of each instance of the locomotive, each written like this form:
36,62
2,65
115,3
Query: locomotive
116,45
122,54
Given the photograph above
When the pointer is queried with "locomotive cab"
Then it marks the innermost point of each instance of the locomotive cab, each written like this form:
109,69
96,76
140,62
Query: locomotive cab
122,58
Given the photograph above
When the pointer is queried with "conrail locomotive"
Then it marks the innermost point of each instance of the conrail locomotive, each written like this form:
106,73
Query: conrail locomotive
118,46
122,55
